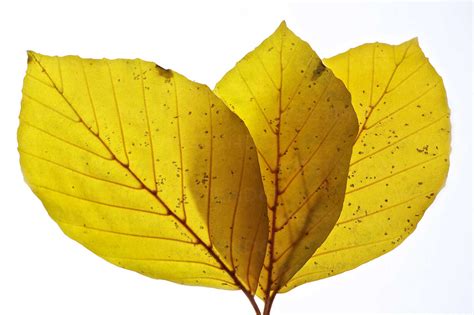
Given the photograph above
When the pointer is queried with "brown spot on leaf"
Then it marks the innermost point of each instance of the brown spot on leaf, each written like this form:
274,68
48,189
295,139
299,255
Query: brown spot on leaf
167,73
317,72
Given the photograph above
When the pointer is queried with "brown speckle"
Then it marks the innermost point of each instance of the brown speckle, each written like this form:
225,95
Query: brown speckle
164,72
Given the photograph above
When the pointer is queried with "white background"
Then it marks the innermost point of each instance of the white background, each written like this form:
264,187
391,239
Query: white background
44,272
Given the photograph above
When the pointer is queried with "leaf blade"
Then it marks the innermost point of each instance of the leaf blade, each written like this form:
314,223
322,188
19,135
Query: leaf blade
290,101
401,154
107,138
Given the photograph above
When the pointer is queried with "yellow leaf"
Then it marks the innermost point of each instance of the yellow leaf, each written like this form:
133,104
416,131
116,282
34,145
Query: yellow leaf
399,161
303,124
145,168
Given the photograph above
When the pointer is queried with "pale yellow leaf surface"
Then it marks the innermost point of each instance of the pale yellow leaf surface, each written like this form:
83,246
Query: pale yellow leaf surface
400,159
301,119
145,168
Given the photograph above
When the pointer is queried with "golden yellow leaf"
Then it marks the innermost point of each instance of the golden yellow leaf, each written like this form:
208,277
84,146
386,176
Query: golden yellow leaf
147,169
303,125
399,161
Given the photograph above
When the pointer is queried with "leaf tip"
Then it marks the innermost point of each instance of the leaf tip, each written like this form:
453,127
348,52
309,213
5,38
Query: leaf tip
31,54
34,56
415,41
282,26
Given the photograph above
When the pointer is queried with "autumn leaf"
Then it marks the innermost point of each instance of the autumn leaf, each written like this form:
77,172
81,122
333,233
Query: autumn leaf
303,125
145,168
330,165
400,159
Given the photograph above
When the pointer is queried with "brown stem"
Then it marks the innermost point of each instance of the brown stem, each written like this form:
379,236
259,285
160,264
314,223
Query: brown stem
252,301
269,303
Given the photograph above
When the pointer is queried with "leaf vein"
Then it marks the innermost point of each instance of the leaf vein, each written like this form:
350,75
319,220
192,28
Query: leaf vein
312,155
255,99
394,174
98,202
87,227
114,94
167,260
110,158
79,172
90,96
180,149
303,76
382,209
241,177
426,92
399,140
152,154
308,116
50,108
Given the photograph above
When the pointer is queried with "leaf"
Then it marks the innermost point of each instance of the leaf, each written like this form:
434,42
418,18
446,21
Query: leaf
303,125
399,161
145,168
